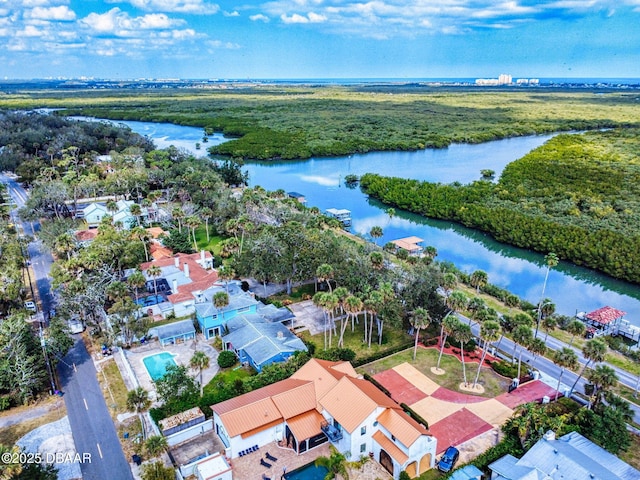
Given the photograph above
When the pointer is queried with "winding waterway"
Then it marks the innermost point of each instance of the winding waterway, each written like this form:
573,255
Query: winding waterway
321,181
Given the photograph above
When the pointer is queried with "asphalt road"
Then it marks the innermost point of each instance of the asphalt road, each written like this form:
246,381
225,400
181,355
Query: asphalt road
93,430
551,370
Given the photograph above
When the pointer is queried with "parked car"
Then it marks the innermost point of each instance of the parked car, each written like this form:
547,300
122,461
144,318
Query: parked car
30,306
449,459
76,325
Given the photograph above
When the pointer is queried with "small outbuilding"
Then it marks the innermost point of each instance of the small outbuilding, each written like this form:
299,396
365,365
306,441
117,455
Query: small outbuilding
213,467
176,332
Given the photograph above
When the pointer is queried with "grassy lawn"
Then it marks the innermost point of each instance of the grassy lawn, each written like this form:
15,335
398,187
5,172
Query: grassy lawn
228,375
493,383
632,455
113,388
213,245
392,338
10,434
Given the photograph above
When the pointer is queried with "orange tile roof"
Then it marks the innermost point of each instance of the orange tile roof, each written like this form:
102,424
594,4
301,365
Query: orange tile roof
296,401
305,425
155,232
254,411
323,373
389,447
184,292
251,417
158,251
348,404
401,426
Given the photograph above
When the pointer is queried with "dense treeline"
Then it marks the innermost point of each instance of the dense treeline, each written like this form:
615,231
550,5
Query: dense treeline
42,139
577,196
299,122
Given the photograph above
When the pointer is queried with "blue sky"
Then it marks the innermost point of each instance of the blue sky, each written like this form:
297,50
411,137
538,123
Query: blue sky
319,38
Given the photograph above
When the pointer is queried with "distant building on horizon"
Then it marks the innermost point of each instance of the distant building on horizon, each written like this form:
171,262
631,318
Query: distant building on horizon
506,79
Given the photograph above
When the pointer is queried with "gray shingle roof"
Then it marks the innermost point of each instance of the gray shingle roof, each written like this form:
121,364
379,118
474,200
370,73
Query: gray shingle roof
572,457
175,329
261,339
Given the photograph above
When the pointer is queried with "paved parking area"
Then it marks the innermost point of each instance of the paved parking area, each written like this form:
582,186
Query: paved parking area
455,418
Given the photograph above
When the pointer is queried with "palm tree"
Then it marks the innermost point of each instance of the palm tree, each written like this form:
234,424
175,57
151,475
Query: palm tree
576,328
136,211
388,295
192,221
391,212
331,303
136,280
376,233
319,300
564,358
141,234
489,333
603,377
548,324
447,326
457,301
199,361
335,463
538,347
478,279
154,271
220,299
178,214
431,251
353,306
419,320
449,282
374,303
551,259
324,273
377,260
463,334
138,400
116,290
522,337
206,213
155,445
594,350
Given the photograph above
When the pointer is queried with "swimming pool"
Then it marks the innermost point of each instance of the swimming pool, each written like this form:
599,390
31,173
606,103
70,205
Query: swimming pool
307,472
157,364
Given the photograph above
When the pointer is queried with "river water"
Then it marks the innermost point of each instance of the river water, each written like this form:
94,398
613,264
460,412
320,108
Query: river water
321,181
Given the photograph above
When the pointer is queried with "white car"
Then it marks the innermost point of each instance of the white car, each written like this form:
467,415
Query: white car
76,325
30,306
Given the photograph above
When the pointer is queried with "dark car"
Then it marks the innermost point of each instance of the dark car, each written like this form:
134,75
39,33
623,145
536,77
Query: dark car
449,459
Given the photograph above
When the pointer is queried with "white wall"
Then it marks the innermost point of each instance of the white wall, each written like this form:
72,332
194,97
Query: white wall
190,432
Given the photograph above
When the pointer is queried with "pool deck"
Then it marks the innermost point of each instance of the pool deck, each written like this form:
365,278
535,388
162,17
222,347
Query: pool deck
182,353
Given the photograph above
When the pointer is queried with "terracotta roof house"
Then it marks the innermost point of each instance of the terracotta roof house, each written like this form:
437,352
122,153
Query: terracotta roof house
410,244
570,457
327,402
602,321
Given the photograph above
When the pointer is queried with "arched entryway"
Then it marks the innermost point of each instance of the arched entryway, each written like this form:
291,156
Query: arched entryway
386,462
411,469
425,463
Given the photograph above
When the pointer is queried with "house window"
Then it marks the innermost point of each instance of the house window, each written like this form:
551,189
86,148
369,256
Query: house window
363,448
363,430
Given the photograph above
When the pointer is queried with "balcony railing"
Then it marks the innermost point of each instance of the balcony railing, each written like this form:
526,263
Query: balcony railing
333,434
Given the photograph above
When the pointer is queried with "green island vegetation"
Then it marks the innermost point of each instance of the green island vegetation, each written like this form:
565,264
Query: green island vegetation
292,122
263,235
577,196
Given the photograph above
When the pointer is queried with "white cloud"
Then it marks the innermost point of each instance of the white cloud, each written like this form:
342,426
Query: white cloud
311,17
61,12
231,14
120,23
30,31
217,44
201,7
259,18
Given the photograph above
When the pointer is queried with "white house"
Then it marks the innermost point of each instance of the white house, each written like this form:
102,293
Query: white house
326,401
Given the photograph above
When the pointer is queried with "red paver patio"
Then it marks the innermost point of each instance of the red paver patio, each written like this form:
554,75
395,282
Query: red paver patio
401,390
456,397
458,428
532,391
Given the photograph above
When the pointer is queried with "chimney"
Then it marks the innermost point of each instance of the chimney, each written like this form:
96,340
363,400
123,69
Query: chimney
198,296
176,261
175,286
186,269
550,436
280,336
